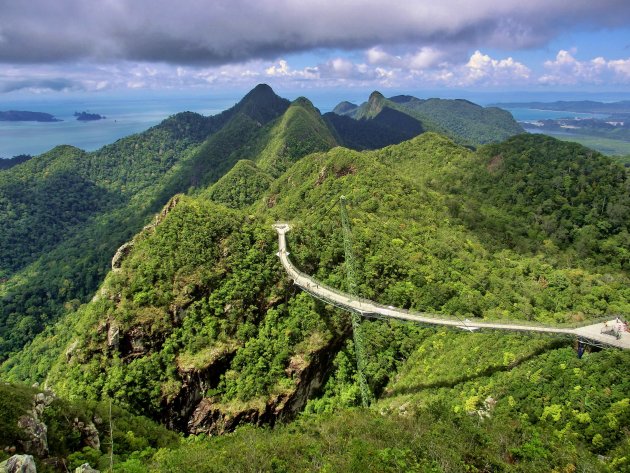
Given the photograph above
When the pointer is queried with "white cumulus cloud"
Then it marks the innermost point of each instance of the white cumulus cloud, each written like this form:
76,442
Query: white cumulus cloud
566,69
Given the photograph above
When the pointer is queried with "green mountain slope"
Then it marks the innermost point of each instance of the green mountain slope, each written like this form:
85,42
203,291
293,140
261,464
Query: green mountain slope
200,328
241,186
65,213
8,163
460,402
344,108
82,206
106,196
464,121
66,434
369,134
42,205
300,131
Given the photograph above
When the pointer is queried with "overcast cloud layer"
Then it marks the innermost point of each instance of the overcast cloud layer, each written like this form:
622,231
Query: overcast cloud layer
220,31
97,45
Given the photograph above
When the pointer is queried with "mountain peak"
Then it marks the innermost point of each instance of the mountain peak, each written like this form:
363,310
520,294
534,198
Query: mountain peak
261,90
373,107
305,103
376,97
262,104
302,101
345,108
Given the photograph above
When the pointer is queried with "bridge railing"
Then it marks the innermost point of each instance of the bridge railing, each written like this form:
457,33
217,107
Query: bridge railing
461,320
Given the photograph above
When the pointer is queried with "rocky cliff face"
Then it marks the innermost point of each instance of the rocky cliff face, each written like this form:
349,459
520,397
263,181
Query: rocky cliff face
19,464
210,416
35,430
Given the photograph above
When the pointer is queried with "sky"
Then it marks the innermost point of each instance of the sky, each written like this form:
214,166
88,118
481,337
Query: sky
66,47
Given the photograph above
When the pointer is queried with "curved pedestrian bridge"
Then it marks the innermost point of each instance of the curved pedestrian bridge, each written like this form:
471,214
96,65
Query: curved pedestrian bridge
605,333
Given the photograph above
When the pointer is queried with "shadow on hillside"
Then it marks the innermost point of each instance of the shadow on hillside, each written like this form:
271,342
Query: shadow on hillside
489,371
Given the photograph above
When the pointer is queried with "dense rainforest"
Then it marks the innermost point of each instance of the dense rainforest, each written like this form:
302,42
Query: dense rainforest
465,122
197,327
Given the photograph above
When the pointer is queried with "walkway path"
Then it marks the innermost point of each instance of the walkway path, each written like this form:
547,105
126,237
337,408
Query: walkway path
591,333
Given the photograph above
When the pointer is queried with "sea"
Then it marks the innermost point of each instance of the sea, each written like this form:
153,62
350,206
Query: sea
123,116
134,113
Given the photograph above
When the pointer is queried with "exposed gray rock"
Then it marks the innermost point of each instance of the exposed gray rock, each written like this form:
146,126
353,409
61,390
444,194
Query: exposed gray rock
36,441
37,433
113,336
85,468
70,350
121,254
19,464
88,432
308,375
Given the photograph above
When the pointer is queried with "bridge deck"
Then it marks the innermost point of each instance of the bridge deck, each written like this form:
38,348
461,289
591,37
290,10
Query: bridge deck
593,333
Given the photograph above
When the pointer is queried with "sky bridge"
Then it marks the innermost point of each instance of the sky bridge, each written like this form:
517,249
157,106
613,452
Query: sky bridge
606,333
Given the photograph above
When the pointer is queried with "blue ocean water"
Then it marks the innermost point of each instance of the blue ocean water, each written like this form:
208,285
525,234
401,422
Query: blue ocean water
124,116
531,114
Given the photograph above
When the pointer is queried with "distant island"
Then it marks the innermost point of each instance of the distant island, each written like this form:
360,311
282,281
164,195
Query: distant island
88,117
23,116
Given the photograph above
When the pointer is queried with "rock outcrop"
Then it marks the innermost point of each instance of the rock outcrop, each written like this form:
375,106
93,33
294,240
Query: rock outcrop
19,464
121,254
125,248
88,432
85,468
31,424
214,418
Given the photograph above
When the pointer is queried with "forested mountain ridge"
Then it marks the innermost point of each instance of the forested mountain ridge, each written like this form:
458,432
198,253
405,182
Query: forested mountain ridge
8,163
81,207
198,327
462,120
98,200
64,213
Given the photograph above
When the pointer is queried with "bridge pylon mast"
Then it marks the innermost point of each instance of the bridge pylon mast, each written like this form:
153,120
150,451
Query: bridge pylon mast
356,318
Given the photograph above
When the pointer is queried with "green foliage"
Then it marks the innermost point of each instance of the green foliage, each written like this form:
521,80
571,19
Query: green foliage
387,128
216,270
299,132
557,190
7,163
15,401
40,207
386,346
547,397
287,336
464,121
133,435
531,228
431,440
420,244
243,185
66,212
